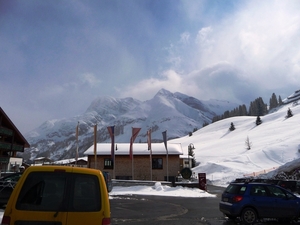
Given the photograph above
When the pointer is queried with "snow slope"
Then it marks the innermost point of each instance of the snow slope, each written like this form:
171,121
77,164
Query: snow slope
223,156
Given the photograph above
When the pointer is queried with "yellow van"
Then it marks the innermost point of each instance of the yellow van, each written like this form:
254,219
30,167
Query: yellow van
58,195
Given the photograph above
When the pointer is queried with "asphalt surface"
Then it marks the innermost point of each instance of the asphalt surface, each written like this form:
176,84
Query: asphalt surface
137,209
146,210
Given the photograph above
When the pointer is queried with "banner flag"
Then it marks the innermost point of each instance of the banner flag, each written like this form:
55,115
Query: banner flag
149,139
77,131
164,134
95,145
111,131
135,132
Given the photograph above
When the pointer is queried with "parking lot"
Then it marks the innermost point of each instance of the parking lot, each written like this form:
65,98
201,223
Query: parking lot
146,210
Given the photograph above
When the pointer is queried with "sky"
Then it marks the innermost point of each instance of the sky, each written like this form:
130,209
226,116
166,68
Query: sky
58,56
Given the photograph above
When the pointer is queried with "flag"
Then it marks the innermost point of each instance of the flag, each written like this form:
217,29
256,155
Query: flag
135,132
149,139
95,141
164,134
77,131
111,131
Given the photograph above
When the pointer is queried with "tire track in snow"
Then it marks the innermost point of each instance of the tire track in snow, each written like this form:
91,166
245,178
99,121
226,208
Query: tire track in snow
267,156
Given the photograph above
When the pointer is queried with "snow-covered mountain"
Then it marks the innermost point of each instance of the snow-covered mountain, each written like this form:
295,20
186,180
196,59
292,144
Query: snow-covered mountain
177,113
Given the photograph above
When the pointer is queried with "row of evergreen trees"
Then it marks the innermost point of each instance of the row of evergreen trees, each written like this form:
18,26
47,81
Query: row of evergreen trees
256,108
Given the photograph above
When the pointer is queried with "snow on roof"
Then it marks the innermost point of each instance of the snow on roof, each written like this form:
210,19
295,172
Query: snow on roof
137,149
66,161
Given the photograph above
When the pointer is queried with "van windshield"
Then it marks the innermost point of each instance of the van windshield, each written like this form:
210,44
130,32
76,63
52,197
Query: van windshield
60,191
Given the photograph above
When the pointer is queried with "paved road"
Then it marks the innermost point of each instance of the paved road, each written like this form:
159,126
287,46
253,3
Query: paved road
146,210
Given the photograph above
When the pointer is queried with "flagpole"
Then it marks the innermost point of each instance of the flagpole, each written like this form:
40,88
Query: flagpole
135,132
114,162
132,170
150,148
114,175
165,142
77,134
95,145
151,164
167,165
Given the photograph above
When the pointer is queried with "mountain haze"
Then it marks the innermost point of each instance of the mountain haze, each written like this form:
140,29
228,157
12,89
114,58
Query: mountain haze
177,113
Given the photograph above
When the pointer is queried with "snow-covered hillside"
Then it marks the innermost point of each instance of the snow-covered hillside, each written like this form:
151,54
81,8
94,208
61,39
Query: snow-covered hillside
223,156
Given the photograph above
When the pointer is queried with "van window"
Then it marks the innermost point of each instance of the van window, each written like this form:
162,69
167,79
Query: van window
86,196
60,191
42,192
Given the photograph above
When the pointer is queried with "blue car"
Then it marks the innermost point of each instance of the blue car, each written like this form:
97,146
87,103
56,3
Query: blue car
254,201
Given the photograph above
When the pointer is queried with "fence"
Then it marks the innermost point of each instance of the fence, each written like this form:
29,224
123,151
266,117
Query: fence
254,174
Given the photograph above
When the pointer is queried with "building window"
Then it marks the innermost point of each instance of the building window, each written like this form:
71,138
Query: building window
157,163
108,164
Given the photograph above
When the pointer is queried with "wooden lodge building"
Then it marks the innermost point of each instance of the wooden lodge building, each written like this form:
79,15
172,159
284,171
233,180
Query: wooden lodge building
142,166
11,141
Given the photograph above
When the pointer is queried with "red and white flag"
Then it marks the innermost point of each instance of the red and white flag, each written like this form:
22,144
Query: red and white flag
111,131
135,132
164,134
149,139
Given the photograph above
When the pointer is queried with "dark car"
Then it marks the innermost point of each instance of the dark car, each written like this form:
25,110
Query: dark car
290,185
7,184
253,201
108,180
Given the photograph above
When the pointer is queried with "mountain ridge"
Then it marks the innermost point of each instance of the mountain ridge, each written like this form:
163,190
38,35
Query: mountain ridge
177,113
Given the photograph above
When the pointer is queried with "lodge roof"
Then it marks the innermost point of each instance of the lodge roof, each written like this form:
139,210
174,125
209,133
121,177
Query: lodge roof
7,123
137,149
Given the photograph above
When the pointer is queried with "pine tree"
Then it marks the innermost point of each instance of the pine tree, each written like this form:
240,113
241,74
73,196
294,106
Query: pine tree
226,114
242,110
192,154
280,100
261,107
231,128
248,143
273,101
251,109
258,108
289,113
258,121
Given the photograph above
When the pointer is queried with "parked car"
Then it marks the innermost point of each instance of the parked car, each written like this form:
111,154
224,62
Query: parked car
108,180
290,185
7,184
62,195
253,201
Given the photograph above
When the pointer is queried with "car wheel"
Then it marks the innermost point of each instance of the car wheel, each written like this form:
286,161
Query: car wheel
249,216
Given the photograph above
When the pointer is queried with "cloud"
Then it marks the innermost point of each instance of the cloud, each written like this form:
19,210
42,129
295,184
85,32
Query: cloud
258,41
70,53
145,89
